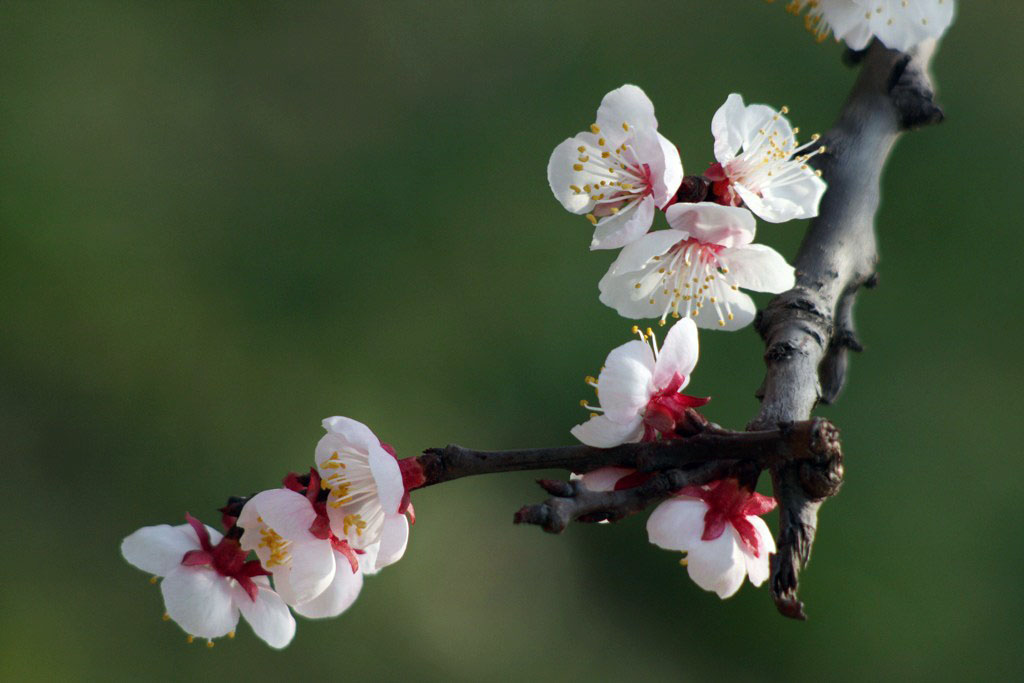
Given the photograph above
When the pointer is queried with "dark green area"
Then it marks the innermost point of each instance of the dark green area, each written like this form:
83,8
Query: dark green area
223,221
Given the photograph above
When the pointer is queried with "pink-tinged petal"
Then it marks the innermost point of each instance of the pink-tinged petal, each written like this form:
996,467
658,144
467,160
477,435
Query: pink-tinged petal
718,565
628,104
268,616
388,477
624,385
309,573
338,597
677,524
351,431
669,172
758,267
200,601
727,226
639,253
368,559
158,549
393,540
288,513
762,122
629,225
562,174
600,432
758,566
727,125
758,504
619,292
678,354
604,478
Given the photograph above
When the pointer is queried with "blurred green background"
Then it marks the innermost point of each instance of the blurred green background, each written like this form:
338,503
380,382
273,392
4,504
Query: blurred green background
222,222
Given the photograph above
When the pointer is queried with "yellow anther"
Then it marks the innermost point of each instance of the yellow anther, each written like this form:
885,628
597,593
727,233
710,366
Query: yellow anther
577,167
661,323
636,286
583,403
581,149
605,155
614,210
209,643
166,617
592,218
785,109
650,332
154,579
625,126
721,323
190,639
584,158
600,142
576,189
231,634
593,415
595,129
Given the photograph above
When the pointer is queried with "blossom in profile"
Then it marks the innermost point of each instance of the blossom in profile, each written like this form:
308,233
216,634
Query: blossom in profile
367,498
719,528
207,582
640,394
696,269
899,24
761,164
619,171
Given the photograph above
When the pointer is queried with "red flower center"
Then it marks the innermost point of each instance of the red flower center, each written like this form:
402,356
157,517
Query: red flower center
666,410
226,558
729,503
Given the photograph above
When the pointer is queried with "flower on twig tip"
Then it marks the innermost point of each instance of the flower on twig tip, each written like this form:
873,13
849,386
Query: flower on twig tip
696,269
639,390
719,528
899,24
367,498
207,582
314,572
761,164
619,171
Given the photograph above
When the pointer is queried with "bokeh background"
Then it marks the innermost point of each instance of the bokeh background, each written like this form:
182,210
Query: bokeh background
221,222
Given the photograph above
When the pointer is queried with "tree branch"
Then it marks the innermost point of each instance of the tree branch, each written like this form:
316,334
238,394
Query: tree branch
808,331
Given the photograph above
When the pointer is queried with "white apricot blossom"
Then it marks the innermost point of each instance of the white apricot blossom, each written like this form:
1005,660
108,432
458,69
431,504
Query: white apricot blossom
619,171
367,497
639,391
899,24
696,269
719,528
761,163
207,582
290,533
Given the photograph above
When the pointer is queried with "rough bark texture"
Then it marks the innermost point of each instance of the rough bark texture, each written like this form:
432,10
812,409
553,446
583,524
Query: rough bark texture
808,331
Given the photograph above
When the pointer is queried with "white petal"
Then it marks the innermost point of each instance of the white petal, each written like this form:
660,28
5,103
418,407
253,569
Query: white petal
760,122
677,523
639,253
618,292
758,566
728,226
158,549
199,600
393,539
604,478
758,267
718,565
669,174
678,353
338,597
741,305
600,432
628,104
287,512
352,432
268,616
624,227
388,477
727,125
624,385
562,175
309,573
368,559
796,199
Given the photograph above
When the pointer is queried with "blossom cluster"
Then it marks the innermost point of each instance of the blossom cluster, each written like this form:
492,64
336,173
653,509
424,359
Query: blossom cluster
314,539
621,173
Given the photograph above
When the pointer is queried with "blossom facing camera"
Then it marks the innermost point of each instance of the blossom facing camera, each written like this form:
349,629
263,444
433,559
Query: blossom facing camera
696,269
290,533
619,171
719,528
899,24
207,582
367,498
761,164
639,391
